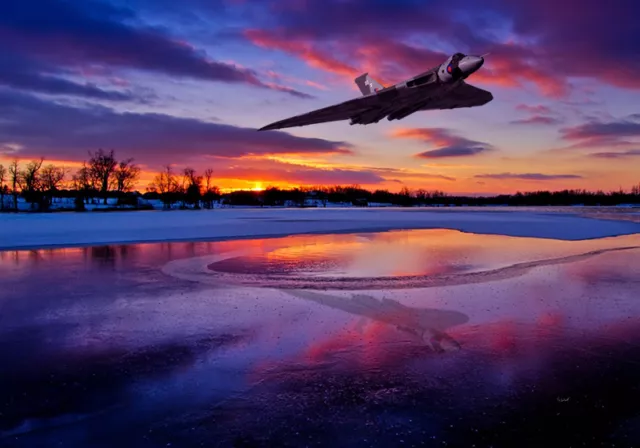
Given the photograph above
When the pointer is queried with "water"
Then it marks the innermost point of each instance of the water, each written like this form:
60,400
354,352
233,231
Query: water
193,344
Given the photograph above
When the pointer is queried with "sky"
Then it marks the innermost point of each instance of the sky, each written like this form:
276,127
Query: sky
189,83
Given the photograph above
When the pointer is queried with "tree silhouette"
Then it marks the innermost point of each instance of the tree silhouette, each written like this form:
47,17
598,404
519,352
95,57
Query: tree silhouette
102,166
3,175
126,175
31,182
51,178
14,173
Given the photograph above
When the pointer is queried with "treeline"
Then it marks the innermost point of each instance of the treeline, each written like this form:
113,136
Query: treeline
187,188
355,195
99,178
102,176
351,195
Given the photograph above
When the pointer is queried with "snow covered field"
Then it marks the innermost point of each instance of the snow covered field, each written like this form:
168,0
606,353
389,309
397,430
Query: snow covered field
68,229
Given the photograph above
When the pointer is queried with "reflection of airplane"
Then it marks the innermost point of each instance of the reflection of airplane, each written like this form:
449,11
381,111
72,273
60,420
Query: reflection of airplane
441,87
428,324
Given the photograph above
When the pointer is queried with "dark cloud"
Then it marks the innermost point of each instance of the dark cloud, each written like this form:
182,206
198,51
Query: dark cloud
528,176
453,151
76,34
20,73
538,119
616,155
53,130
602,133
629,127
450,144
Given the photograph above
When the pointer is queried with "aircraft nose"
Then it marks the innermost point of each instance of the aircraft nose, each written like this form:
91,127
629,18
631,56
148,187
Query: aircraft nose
470,64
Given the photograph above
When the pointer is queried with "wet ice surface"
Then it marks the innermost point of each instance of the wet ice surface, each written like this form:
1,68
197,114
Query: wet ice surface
115,346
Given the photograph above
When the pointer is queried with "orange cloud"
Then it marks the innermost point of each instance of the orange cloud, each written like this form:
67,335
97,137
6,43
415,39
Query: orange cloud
449,143
304,50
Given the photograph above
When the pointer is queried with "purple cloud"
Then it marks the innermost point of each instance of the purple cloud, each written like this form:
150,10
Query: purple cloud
528,176
22,74
43,128
77,34
603,133
616,155
450,144
538,119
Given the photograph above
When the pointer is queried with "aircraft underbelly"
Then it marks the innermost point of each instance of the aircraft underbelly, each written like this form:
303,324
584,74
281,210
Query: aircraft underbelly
395,103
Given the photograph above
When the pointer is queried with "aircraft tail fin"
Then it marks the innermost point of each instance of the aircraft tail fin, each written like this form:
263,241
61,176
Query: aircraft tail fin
367,84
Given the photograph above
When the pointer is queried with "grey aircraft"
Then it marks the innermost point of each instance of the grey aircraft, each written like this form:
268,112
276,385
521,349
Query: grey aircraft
442,87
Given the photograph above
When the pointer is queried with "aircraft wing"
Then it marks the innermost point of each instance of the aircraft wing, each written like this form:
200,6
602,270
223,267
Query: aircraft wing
337,112
465,95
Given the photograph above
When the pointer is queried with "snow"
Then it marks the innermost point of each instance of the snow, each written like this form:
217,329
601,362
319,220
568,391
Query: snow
34,230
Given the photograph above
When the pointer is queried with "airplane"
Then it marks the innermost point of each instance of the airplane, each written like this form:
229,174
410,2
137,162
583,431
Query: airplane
442,87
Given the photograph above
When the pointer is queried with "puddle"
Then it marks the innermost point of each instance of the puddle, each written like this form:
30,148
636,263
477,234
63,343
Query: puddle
395,259
402,253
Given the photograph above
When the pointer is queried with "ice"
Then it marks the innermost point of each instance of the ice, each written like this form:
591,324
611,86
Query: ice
67,229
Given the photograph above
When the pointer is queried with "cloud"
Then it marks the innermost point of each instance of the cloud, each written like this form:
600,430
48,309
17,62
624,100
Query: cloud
616,155
528,176
452,151
20,73
538,109
602,133
77,34
304,50
538,119
410,174
53,130
539,44
629,127
450,144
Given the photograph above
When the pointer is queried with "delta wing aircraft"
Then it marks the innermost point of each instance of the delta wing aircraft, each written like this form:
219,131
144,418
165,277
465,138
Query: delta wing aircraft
442,87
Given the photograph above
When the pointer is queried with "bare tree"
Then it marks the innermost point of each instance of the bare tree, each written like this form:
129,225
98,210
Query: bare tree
3,175
404,191
102,167
32,181
208,185
208,175
83,181
166,184
192,187
126,174
14,173
51,178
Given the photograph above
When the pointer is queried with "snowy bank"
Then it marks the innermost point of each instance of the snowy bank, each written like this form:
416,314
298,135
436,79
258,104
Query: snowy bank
69,229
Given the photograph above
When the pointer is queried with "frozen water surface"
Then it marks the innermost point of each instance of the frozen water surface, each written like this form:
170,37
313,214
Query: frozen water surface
402,338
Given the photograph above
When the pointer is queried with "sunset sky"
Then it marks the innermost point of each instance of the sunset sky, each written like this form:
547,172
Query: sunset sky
188,83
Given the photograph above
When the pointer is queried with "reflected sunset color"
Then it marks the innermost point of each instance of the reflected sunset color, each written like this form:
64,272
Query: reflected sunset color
400,253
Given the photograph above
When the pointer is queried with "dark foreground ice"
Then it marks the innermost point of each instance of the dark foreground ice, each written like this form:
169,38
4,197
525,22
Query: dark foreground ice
406,338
